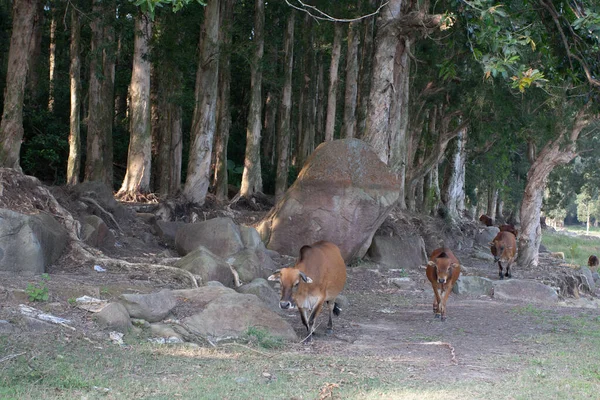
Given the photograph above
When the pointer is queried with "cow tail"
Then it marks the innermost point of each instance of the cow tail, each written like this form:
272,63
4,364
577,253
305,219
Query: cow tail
336,309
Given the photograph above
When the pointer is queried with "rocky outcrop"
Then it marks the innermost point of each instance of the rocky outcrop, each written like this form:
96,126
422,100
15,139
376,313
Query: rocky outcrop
343,194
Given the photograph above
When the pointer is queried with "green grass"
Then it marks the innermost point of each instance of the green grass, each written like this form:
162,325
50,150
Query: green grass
577,249
558,365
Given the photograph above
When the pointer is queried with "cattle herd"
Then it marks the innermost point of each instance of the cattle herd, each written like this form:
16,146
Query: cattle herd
319,275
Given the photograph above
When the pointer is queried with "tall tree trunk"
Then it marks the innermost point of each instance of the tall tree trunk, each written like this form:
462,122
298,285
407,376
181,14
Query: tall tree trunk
34,70
453,195
252,176
223,110
11,126
283,129
74,161
364,76
139,157
320,103
491,201
306,132
268,144
333,81
99,154
557,152
204,120
350,97
169,134
500,209
52,61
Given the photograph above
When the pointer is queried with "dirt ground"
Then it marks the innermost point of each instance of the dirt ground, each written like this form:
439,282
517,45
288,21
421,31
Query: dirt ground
381,319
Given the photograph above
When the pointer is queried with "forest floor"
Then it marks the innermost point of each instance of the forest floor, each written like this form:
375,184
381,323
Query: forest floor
386,343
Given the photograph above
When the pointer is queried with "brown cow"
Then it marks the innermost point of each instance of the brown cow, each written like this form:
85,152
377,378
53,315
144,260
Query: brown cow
486,220
593,261
504,249
318,277
509,228
443,269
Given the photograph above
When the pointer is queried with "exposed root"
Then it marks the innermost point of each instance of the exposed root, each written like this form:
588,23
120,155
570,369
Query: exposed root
101,209
128,197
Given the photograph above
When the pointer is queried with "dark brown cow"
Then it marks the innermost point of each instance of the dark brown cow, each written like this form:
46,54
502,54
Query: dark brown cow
318,277
443,269
504,249
593,261
486,220
509,228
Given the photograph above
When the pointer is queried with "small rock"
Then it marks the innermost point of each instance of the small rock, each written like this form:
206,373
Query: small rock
152,307
403,283
166,332
473,285
114,316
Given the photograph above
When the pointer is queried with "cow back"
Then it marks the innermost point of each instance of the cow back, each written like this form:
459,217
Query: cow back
323,263
508,241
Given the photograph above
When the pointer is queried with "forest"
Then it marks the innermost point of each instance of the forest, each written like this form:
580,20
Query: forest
481,107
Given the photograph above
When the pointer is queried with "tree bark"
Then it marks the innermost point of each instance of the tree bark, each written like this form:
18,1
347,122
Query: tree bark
33,72
283,136
492,201
252,176
99,153
269,128
74,161
364,77
559,151
204,120
52,61
221,180
351,92
454,193
139,157
306,132
333,82
11,126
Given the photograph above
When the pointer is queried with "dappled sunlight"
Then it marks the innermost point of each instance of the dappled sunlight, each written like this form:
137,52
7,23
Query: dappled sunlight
193,352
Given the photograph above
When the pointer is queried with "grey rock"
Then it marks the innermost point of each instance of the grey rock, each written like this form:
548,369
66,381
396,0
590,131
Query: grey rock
589,278
8,328
207,266
524,290
596,277
251,264
261,289
36,325
403,283
95,232
115,317
164,331
230,315
483,255
473,285
219,235
485,235
30,243
396,252
152,307
167,230
251,238
201,296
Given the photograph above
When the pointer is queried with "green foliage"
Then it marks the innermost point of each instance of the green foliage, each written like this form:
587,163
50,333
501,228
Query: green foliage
150,6
234,173
577,247
38,291
262,338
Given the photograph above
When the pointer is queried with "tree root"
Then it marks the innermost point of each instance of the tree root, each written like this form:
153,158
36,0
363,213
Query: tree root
101,209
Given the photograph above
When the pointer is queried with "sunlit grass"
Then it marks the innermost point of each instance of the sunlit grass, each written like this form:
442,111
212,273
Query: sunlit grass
576,249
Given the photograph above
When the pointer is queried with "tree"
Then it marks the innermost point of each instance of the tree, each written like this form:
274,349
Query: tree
74,161
204,120
351,94
137,177
251,177
11,126
333,81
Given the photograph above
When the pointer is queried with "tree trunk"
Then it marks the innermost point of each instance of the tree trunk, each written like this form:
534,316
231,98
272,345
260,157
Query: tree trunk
74,161
491,201
333,81
557,152
283,135
11,126
500,209
221,181
252,176
204,120
350,97
52,61
269,128
454,193
306,133
139,157
364,76
99,153
34,70
320,103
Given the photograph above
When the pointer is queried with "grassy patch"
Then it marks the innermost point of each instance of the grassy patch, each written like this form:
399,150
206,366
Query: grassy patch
576,249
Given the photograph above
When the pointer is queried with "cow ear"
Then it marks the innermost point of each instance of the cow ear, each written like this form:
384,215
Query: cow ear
454,265
303,251
432,264
491,244
305,278
276,276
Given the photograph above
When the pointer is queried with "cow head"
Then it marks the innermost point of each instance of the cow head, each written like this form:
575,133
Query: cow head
443,267
289,279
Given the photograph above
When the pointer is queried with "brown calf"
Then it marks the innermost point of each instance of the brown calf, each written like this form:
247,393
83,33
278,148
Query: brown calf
486,220
593,261
443,269
318,277
504,249
509,228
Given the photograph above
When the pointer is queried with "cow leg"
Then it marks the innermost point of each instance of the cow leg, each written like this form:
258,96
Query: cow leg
303,317
500,268
436,300
508,274
445,295
330,305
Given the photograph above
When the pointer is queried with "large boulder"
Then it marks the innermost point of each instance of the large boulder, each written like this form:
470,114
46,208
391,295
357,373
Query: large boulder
95,232
396,252
251,264
30,243
152,307
261,289
229,316
524,290
474,285
219,235
207,266
343,194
